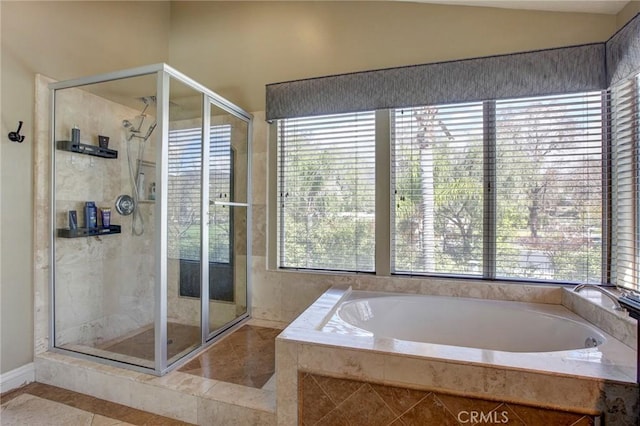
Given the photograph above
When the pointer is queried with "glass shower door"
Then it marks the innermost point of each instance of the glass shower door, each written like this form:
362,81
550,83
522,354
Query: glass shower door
228,183
184,221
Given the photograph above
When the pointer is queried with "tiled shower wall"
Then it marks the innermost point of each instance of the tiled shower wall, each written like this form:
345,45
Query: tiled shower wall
104,285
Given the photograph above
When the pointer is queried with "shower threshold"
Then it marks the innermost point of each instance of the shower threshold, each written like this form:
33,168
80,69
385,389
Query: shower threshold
187,395
245,357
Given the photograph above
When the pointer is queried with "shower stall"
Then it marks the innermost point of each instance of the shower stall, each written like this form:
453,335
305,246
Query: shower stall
150,217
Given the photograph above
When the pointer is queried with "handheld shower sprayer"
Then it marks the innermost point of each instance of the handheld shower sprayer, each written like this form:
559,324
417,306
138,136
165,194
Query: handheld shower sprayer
135,131
151,129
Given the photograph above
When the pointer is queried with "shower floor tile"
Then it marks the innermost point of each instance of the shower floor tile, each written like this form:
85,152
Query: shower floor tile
141,345
245,357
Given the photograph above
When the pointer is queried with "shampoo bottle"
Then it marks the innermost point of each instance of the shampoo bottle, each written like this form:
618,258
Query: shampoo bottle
90,215
75,135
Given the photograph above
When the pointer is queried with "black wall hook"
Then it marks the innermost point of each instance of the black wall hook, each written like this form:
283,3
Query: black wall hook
16,136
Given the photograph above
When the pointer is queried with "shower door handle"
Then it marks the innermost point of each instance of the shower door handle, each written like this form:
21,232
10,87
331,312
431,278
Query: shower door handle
228,203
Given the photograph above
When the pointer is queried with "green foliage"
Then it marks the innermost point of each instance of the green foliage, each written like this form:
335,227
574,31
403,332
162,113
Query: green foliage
548,200
324,213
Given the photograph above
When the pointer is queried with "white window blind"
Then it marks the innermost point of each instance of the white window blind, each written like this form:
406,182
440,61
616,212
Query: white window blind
625,102
437,189
220,187
326,185
184,192
549,188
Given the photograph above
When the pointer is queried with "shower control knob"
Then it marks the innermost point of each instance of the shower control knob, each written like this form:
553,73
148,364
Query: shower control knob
125,205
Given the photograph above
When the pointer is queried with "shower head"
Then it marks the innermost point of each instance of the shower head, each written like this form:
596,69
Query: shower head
126,124
148,100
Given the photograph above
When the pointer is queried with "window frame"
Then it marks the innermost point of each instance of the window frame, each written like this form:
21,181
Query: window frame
328,128
624,249
385,199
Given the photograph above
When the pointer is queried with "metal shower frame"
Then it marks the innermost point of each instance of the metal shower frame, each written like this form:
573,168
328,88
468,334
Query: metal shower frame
163,74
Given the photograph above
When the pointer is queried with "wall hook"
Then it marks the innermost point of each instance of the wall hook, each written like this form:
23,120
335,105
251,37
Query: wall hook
16,136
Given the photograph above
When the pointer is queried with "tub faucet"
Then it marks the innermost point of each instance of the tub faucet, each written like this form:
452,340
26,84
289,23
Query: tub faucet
606,292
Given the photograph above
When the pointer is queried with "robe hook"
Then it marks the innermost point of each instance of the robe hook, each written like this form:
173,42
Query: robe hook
16,136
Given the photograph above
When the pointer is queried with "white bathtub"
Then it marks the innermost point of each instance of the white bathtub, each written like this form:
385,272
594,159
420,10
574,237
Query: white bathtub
496,350
455,321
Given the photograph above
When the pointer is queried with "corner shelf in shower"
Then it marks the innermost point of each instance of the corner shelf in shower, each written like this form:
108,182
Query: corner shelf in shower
82,148
87,232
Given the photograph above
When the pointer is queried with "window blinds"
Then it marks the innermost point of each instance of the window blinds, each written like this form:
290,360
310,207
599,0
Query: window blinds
326,192
183,197
549,188
545,173
184,192
220,187
625,99
437,178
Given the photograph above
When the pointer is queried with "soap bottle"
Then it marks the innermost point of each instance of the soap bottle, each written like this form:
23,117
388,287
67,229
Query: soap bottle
90,214
75,135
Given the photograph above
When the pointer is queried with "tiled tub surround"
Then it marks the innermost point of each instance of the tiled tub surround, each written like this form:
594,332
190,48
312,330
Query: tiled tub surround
587,381
330,401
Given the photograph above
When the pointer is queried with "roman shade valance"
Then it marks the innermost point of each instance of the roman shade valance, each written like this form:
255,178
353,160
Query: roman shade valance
544,72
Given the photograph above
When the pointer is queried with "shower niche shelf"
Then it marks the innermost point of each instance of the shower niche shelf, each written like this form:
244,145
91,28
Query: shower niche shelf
82,148
87,232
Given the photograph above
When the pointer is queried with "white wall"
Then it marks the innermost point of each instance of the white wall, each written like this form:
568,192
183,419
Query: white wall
629,11
62,40
233,48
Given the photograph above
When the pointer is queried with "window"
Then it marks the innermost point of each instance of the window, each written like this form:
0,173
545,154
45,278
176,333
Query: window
185,157
625,224
221,187
539,162
185,169
509,189
326,189
437,189
549,188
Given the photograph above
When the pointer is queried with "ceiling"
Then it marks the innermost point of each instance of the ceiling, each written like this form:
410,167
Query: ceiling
610,7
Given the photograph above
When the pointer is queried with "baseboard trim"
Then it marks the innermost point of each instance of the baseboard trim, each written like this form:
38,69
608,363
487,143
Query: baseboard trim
17,377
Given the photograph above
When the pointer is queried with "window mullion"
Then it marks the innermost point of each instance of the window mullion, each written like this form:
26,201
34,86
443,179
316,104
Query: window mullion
490,185
384,202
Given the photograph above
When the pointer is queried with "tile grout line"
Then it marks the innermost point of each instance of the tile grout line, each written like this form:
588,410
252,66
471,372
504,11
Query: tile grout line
427,393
